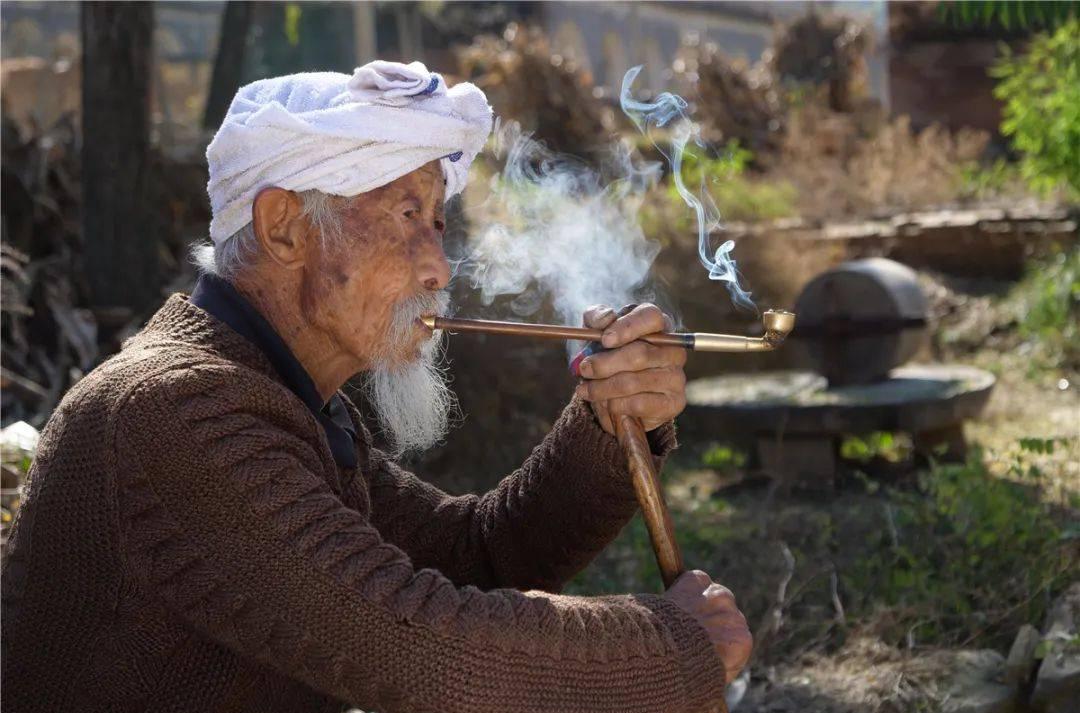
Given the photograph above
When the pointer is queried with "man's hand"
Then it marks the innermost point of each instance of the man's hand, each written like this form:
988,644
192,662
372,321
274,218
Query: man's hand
713,606
632,377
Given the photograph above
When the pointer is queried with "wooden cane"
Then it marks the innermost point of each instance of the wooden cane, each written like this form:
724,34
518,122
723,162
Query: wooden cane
654,510
631,435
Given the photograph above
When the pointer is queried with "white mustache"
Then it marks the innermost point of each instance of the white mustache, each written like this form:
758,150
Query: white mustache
419,305
408,311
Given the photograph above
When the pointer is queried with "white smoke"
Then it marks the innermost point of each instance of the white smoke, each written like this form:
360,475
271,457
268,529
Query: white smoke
554,229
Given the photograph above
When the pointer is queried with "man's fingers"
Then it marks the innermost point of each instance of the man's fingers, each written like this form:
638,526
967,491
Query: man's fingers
719,590
634,378
662,380
603,413
643,319
636,356
720,595
656,407
598,317
694,581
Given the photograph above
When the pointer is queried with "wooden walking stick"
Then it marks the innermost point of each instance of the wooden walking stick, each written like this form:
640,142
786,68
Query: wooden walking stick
654,510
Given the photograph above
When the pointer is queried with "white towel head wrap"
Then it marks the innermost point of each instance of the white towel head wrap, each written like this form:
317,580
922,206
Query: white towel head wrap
341,135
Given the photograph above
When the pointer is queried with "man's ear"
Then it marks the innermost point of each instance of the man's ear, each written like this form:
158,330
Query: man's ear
276,214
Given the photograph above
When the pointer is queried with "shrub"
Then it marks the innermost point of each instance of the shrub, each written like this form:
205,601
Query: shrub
1047,307
723,458
1041,91
846,167
993,179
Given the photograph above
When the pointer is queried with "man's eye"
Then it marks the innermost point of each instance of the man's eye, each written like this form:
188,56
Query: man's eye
440,225
410,213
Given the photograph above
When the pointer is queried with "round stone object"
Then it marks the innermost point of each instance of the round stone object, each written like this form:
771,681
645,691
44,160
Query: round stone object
859,320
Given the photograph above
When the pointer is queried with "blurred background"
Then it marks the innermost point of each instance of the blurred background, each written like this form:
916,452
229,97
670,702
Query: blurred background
894,496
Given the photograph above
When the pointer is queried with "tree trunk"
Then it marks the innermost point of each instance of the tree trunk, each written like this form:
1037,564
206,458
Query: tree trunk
364,41
120,246
229,62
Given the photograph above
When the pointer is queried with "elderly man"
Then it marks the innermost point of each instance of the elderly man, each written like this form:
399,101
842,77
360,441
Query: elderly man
208,527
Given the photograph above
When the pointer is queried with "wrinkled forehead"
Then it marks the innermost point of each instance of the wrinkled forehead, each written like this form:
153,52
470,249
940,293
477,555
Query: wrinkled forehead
431,174
425,187
425,183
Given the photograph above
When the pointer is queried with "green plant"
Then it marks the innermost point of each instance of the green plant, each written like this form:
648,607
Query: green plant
994,179
723,458
890,447
1041,91
293,12
746,200
1046,306
968,555
1007,13
1041,446
15,460
698,169
1052,303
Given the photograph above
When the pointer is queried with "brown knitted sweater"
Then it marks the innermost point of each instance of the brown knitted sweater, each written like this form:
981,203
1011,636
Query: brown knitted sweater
187,543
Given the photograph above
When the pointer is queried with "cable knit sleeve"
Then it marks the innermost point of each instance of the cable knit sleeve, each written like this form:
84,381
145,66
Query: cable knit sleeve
225,518
537,528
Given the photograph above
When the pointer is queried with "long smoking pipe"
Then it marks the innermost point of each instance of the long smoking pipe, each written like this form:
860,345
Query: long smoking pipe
778,324
629,430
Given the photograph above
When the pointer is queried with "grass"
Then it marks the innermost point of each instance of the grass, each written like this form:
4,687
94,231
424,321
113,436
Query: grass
960,555
967,556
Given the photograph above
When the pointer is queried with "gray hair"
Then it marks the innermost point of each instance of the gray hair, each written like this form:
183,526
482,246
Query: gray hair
238,251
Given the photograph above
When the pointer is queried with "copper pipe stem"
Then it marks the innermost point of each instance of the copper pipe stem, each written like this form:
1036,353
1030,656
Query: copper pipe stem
778,324
542,331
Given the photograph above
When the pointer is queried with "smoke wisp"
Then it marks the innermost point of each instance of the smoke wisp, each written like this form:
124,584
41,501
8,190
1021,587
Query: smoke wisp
670,109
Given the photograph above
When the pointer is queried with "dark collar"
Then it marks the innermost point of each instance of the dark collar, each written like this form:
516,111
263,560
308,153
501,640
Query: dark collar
224,302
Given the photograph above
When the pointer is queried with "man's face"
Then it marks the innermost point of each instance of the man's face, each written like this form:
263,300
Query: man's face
386,269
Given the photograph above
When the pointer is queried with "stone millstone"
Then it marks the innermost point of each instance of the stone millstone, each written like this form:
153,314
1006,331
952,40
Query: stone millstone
859,320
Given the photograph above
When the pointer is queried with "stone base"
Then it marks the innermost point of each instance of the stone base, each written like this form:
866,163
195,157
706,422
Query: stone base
943,444
801,462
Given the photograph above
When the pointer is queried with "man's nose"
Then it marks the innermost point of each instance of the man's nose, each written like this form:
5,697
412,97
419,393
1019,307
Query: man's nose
434,268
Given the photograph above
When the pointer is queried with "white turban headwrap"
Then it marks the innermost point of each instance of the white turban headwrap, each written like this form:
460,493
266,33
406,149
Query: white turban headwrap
341,135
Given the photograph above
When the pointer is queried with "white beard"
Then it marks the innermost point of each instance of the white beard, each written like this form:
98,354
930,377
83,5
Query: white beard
412,400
